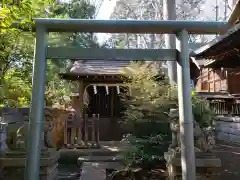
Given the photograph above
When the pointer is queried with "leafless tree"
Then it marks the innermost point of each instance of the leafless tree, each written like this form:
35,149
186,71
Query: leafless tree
149,10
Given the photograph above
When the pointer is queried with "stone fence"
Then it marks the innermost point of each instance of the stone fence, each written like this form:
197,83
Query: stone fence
228,128
16,117
13,158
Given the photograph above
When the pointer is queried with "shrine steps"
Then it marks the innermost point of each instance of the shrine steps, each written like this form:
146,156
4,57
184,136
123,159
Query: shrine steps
110,148
94,163
96,167
71,155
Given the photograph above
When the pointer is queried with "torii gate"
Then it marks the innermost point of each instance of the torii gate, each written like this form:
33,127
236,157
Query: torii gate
181,28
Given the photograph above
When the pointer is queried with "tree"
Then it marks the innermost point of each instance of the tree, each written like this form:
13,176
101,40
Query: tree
81,9
16,47
222,9
150,10
16,51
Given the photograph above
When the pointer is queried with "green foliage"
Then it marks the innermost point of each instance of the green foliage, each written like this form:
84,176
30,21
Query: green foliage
16,91
202,112
17,49
146,116
145,152
81,9
150,98
21,12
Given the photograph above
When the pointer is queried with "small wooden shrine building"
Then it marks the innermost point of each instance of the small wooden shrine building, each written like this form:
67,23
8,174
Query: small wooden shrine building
100,84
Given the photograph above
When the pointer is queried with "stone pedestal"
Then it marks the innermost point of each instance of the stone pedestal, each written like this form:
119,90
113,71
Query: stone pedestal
207,165
14,165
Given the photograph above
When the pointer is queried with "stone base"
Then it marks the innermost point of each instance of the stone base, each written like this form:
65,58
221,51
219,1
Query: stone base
207,165
14,165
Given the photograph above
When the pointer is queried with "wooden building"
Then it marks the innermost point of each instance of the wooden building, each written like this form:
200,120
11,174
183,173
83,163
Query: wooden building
218,69
217,61
99,91
219,64
100,88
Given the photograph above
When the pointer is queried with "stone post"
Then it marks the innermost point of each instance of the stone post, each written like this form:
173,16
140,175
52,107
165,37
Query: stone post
3,137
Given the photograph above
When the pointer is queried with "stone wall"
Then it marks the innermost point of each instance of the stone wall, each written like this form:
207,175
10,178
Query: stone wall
228,128
15,117
110,129
13,159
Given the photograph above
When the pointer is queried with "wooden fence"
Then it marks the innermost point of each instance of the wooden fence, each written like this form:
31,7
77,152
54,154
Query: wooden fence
79,133
225,108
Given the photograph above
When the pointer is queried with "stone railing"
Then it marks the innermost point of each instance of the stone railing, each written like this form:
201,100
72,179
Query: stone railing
228,128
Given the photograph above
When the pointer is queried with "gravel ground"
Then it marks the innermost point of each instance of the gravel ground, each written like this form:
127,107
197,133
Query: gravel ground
230,158
68,172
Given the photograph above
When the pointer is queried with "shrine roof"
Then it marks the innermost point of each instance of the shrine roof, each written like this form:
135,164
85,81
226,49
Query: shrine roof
223,51
111,67
96,67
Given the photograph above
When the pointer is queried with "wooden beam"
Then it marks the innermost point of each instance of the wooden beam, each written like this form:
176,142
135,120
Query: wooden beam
114,54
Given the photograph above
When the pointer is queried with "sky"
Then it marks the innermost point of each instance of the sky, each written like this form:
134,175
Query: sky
104,14
106,9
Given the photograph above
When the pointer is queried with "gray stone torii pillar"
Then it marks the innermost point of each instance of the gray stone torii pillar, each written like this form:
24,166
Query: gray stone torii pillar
182,28
35,128
185,110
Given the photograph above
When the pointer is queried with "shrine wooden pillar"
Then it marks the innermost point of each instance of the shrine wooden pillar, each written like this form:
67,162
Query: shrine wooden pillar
82,86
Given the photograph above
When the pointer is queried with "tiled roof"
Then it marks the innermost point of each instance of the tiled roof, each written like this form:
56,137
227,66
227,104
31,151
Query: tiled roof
218,44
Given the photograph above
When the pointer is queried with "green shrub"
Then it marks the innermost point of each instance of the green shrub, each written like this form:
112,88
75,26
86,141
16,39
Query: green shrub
146,118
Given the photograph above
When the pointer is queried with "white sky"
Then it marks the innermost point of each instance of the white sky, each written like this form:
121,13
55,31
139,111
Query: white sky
106,9
104,14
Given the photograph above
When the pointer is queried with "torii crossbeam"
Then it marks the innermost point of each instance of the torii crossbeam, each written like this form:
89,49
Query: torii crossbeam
181,28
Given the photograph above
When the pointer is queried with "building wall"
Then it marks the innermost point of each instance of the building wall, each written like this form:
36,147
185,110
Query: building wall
108,108
234,82
218,80
76,104
212,81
